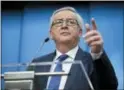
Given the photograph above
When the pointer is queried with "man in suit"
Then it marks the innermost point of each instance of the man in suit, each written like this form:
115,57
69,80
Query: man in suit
66,30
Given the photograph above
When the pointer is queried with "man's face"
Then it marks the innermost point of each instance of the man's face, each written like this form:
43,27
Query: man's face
65,27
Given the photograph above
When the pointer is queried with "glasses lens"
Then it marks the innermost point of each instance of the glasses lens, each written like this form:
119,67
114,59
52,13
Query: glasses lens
71,22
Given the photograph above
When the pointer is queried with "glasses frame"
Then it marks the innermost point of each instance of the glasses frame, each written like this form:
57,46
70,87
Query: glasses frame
67,21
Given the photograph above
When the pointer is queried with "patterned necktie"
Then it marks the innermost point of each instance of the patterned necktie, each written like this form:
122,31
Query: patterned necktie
55,80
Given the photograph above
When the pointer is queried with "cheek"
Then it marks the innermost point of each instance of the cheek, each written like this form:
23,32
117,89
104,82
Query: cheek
54,34
76,33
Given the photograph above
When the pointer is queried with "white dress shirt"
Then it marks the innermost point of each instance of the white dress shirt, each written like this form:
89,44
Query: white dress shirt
66,67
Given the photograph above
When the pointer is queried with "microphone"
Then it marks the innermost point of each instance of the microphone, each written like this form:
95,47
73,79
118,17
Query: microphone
41,45
47,39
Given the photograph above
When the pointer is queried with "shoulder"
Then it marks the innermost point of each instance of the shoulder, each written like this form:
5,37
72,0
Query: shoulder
86,60
87,54
44,57
84,54
85,57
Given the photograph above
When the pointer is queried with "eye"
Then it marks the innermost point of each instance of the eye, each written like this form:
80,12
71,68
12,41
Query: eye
71,22
58,21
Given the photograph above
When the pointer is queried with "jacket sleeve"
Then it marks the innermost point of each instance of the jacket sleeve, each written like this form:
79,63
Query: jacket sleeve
105,73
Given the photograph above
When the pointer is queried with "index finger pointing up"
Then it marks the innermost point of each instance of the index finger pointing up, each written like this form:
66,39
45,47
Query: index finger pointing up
94,26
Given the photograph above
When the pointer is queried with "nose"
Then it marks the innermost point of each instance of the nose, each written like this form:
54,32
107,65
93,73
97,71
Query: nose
64,25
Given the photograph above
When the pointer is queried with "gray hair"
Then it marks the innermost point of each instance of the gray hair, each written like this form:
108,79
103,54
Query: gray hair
78,17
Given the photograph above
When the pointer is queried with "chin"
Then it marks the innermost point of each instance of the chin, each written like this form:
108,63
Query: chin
65,39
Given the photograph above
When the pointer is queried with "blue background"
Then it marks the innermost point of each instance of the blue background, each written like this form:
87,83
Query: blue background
24,27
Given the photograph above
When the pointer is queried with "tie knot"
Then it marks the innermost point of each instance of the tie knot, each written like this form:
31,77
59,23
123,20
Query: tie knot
62,57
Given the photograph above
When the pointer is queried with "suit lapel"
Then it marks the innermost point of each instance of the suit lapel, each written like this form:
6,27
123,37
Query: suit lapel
76,73
71,81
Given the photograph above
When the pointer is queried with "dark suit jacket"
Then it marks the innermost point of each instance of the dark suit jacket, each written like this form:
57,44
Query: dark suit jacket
100,71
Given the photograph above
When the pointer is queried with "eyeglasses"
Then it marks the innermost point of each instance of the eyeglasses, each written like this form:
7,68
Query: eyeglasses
69,22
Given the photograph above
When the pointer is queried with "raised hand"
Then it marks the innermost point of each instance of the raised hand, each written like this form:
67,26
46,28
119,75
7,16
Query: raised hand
93,38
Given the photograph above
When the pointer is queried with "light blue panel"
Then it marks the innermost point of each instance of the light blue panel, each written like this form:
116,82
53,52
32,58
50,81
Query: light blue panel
10,36
110,23
35,30
11,21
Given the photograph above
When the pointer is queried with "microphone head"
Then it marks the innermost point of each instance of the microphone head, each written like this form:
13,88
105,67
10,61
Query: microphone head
47,39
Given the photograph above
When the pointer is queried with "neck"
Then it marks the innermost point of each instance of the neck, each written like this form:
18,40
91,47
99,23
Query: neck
64,48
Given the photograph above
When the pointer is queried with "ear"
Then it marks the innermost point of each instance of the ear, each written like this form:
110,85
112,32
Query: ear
80,32
50,32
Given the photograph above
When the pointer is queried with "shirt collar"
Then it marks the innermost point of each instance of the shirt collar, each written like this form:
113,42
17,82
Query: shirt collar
71,53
